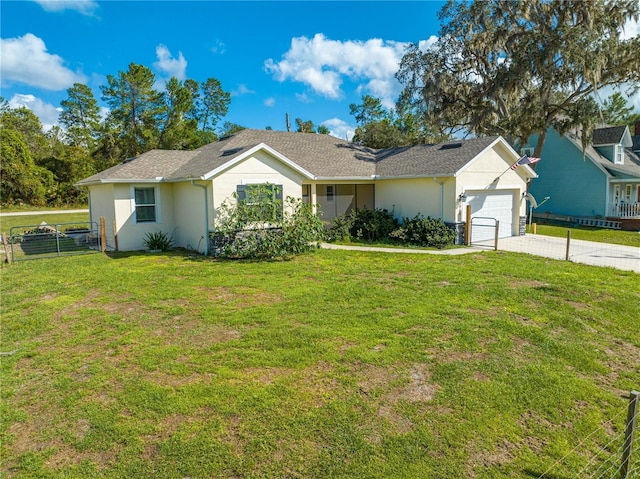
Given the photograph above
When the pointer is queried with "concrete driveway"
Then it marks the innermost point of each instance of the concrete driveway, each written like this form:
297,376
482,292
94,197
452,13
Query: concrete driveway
588,252
625,258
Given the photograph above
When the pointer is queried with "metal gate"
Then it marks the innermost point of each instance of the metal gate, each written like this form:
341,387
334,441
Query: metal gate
49,240
485,231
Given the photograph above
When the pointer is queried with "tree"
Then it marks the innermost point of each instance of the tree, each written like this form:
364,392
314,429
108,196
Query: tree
369,111
518,67
212,104
81,116
305,126
28,124
617,111
229,128
136,108
323,130
178,132
21,180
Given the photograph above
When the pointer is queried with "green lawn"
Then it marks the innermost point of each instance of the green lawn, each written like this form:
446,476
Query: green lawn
8,222
629,238
334,364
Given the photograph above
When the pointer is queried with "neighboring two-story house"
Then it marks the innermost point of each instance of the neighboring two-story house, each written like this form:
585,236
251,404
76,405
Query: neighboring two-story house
601,181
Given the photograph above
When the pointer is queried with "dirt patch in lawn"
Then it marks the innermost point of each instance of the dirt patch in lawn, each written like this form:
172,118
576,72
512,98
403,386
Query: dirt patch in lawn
240,296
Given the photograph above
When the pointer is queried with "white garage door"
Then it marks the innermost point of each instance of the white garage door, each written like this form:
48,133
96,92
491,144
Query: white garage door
490,204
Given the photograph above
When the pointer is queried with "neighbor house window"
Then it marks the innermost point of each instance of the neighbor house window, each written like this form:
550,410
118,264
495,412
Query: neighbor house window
263,201
145,204
619,159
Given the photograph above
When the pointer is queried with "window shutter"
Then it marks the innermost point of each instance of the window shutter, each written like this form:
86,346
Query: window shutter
240,191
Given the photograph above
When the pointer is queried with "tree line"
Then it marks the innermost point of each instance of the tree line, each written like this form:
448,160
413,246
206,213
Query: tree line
41,168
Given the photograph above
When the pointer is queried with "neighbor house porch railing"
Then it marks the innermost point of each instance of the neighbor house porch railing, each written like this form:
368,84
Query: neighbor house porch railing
631,210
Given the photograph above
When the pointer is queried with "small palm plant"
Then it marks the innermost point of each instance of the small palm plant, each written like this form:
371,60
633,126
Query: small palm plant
158,241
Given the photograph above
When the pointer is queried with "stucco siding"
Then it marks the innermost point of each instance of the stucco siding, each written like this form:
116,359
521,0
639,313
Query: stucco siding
188,206
574,184
131,234
101,205
408,197
259,168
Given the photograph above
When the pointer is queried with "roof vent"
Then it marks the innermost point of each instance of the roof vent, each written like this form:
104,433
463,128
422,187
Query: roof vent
233,151
451,146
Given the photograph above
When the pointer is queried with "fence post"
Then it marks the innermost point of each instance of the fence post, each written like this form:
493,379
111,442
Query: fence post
103,235
467,230
57,240
497,234
7,256
629,432
566,256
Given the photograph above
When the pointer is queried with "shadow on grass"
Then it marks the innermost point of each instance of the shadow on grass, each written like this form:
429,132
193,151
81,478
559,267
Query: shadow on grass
188,255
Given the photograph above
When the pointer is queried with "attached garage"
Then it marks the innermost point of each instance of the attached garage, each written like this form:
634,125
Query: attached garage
488,207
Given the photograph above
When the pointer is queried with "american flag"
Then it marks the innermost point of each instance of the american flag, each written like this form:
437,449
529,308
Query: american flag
524,160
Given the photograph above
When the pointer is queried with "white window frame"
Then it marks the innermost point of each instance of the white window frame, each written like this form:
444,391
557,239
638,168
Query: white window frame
619,158
331,197
627,194
156,205
616,195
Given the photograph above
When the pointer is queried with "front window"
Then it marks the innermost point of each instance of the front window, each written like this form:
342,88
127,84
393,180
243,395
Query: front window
145,205
627,194
262,202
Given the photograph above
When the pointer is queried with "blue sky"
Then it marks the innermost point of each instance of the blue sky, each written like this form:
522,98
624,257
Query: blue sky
308,59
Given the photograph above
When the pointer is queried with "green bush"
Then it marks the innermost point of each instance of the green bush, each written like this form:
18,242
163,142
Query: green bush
421,231
158,241
339,228
242,233
372,225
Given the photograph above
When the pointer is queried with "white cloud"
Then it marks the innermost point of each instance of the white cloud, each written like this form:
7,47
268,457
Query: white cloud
323,64
86,7
26,60
339,128
424,45
47,113
242,90
270,102
169,66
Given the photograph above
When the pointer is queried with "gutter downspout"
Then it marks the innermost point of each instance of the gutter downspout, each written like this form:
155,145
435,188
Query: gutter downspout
206,217
441,197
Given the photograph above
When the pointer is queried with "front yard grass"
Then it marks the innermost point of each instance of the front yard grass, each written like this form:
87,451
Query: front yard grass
600,235
334,364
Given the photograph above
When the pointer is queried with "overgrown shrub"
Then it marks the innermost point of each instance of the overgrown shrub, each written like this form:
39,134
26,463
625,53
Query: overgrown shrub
242,232
372,225
421,231
339,228
158,241
380,225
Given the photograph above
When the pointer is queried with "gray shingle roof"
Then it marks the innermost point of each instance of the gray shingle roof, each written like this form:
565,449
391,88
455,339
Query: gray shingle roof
609,135
324,156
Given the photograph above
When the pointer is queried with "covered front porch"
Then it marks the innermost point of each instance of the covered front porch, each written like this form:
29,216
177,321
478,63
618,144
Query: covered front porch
336,199
625,200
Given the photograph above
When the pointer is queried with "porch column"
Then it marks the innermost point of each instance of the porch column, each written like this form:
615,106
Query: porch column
314,199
